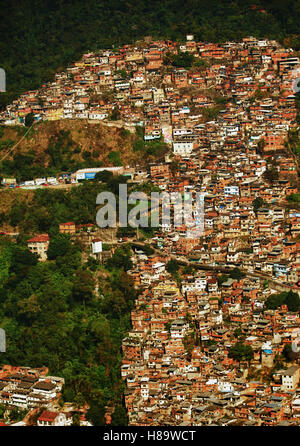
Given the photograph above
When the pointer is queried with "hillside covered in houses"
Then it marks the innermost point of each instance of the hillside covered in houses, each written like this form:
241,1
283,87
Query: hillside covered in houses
158,325
40,37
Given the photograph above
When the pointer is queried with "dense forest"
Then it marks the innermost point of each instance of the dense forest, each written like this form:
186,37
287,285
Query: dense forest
49,207
39,37
53,317
67,314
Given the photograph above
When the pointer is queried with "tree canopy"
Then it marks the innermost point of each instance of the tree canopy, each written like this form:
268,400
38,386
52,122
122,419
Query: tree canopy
241,352
54,314
290,299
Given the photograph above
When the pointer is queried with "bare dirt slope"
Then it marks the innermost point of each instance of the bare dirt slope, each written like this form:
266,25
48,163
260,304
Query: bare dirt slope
81,137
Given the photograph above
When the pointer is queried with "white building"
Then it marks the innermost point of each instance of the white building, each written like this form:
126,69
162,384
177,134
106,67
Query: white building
290,378
231,190
224,386
183,148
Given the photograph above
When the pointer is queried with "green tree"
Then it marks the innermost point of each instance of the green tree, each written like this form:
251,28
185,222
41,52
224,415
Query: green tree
29,119
120,259
237,332
241,352
105,176
96,413
59,246
114,158
115,114
172,267
21,261
237,274
138,145
257,203
292,301
222,278
271,174
289,354
83,286
148,250
2,410
119,416
76,420
294,198
179,60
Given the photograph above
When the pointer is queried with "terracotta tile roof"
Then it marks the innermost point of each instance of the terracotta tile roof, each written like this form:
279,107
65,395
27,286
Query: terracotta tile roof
42,238
47,415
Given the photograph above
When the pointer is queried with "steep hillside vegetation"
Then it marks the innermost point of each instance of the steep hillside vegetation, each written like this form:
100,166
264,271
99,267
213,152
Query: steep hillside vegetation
67,145
54,315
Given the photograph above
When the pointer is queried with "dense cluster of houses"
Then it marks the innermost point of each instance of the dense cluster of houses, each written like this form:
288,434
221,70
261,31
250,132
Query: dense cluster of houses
227,120
176,361
135,80
234,232
33,392
28,388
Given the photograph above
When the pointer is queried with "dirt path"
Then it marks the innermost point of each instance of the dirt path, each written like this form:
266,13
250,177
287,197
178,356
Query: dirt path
17,143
